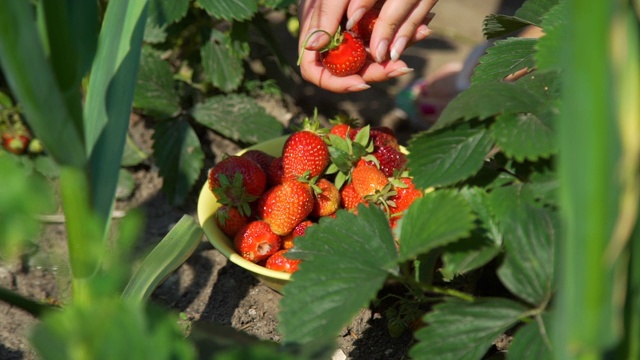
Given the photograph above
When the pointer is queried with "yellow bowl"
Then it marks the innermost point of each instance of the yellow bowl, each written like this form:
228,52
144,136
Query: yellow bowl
207,207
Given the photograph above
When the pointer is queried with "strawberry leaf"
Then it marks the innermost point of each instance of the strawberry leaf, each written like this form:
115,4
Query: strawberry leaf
534,10
155,91
531,341
345,262
458,330
161,13
179,156
437,219
525,136
551,44
221,65
504,58
230,9
445,157
498,25
237,117
529,233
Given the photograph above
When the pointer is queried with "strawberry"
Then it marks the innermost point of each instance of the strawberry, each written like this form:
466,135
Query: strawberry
230,220
16,144
256,242
260,157
368,179
284,206
405,195
305,152
299,230
345,55
278,262
390,159
275,173
343,125
253,179
349,197
364,27
380,136
327,201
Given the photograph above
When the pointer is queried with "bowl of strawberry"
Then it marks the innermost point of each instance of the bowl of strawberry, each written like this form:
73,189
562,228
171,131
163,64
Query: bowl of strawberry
256,203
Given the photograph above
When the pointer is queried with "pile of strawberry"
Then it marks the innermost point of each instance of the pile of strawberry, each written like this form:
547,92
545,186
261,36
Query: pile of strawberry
268,201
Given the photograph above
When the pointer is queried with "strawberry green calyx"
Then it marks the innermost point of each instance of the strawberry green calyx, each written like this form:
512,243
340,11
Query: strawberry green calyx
311,124
232,192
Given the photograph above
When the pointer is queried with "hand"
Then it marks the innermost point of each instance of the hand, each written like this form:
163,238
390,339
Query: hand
401,23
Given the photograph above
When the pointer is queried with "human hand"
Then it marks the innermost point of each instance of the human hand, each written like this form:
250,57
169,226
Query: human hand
401,23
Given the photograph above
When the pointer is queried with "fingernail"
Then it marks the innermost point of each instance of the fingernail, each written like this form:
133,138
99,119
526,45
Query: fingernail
399,72
355,18
359,87
398,47
429,17
381,51
423,32
314,40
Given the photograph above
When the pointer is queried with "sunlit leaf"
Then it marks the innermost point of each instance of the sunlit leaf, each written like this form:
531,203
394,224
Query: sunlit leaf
345,263
221,66
525,136
551,44
237,117
497,25
179,156
458,330
155,91
504,58
230,9
534,10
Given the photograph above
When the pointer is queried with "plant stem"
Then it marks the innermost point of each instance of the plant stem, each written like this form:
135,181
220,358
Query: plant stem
34,308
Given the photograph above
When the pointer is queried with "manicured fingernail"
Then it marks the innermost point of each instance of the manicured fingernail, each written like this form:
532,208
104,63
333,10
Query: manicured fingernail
357,15
381,51
429,17
314,40
399,72
428,109
423,31
359,87
398,47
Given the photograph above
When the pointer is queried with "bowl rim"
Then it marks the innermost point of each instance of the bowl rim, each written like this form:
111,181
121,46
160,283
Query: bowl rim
208,205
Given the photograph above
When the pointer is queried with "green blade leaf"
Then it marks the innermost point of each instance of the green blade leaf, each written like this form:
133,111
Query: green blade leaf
449,218
221,66
504,58
179,156
531,341
155,91
525,136
109,98
529,235
237,117
34,85
445,157
459,330
487,100
167,256
230,9
345,263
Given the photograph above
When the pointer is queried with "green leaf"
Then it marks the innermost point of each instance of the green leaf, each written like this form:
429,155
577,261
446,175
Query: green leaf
35,86
237,117
534,10
168,255
126,185
504,58
488,99
551,44
437,219
179,157
5,100
163,12
531,342
132,154
345,263
155,90
445,157
221,66
525,136
498,25
230,9
529,236
458,330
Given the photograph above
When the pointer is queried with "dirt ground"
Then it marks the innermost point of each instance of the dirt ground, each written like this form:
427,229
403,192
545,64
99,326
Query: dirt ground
207,287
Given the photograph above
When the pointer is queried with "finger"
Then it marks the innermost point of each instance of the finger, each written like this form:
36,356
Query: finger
377,72
408,29
313,71
356,9
392,15
323,15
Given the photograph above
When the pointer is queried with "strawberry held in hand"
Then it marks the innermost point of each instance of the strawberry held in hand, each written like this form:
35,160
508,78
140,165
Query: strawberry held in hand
344,55
364,27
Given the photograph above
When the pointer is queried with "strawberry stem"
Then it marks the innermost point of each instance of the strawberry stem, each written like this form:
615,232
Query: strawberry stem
304,44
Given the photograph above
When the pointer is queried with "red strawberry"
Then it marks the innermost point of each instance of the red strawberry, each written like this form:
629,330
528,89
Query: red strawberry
364,27
343,125
278,262
284,206
381,136
405,195
261,158
368,179
230,220
253,179
16,144
327,201
255,241
305,152
345,55
275,174
349,197
390,159
299,230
